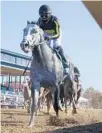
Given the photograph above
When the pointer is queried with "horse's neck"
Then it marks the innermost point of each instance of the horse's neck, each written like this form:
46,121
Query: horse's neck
42,52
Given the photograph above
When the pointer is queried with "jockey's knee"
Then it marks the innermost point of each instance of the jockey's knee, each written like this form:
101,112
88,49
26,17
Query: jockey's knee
56,43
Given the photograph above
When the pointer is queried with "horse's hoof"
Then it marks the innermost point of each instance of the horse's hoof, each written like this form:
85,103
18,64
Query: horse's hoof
47,113
30,126
36,114
57,114
28,111
60,108
74,112
66,112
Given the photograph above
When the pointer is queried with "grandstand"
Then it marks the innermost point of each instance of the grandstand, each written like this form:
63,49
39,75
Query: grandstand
12,68
11,78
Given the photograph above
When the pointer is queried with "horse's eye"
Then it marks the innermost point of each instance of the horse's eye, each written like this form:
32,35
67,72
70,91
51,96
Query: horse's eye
24,30
33,31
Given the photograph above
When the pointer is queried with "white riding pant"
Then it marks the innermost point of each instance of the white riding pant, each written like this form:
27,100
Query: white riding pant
53,43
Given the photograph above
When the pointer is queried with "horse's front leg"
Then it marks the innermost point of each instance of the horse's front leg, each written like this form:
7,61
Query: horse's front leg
56,101
35,96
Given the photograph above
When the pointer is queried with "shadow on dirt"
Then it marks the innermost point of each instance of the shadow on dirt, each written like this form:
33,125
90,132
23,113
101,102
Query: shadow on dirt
92,128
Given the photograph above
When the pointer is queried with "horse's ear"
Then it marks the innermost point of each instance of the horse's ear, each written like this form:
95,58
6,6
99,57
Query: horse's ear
28,22
33,22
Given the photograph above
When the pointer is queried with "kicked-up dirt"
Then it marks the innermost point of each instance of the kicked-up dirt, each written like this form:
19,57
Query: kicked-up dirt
85,121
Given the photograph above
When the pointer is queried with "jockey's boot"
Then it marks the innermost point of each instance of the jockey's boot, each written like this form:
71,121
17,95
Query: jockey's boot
64,60
61,53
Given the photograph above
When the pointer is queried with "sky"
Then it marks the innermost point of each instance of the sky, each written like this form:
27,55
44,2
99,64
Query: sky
81,36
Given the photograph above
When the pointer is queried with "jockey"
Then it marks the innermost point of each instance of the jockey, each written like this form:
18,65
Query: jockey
51,27
76,74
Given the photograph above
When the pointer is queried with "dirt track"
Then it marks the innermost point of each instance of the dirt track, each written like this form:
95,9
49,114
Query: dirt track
85,121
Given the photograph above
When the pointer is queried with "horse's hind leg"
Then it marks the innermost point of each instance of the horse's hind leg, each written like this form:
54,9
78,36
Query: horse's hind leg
65,101
34,106
78,94
48,100
74,106
29,106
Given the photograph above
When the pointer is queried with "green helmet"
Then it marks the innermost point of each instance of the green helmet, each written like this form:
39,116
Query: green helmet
45,12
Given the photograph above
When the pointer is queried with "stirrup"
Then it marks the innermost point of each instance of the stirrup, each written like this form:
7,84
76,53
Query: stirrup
66,71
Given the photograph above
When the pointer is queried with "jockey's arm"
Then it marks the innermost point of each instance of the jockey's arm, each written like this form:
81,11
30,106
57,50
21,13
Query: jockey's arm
57,30
77,74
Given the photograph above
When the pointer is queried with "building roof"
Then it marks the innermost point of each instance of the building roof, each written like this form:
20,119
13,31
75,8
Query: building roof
82,99
14,63
95,8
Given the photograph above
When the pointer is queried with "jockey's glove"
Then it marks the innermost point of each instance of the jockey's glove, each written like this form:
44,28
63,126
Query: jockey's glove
76,74
47,38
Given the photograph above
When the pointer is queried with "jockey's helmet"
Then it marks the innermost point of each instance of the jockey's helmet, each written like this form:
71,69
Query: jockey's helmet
45,12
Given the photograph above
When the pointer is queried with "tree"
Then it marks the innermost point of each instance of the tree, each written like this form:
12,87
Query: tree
94,96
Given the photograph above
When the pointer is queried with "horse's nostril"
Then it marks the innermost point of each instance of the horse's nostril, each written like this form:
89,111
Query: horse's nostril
26,45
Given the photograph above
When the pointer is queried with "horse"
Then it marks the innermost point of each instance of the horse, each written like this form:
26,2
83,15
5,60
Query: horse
71,94
46,68
44,94
27,94
70,90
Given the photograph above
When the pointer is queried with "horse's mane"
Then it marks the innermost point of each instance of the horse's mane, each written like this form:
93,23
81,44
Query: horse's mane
32,22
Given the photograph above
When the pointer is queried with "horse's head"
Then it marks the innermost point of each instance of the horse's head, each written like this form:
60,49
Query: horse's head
31,36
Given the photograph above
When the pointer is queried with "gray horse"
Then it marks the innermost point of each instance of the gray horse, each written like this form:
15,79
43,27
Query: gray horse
46,68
